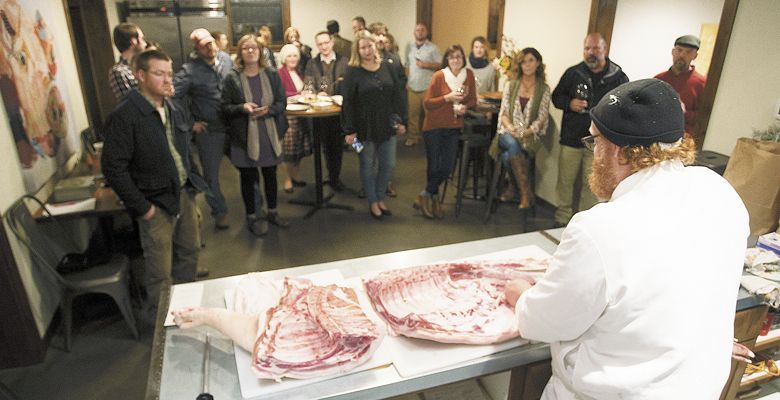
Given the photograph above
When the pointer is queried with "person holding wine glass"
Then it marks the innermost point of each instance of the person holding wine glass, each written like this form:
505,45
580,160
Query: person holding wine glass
581,87
522,120
451,92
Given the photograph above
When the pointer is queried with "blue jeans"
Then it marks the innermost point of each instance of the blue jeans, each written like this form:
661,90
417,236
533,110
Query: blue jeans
510,147
441,148
383,156
211,149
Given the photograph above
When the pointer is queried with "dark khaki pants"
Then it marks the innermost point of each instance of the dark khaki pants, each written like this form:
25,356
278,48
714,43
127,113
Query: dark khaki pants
170,246
571,162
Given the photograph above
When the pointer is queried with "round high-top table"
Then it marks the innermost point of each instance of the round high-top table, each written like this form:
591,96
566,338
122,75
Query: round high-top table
320,201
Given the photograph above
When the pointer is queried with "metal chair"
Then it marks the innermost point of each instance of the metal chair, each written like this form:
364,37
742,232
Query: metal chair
111,278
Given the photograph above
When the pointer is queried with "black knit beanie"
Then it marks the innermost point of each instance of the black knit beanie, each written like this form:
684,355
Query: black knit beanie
640,113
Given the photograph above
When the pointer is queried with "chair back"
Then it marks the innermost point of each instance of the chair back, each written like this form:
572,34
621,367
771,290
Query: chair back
88,140
45,252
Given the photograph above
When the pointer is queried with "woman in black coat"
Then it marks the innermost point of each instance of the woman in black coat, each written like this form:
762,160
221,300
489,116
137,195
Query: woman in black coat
254,102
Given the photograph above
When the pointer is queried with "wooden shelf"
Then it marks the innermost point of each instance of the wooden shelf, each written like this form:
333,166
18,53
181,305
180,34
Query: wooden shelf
755,378
772,339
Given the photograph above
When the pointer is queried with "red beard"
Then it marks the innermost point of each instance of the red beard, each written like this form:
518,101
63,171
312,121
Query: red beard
602,179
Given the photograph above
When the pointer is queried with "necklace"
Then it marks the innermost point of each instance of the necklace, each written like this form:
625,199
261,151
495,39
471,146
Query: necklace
528,86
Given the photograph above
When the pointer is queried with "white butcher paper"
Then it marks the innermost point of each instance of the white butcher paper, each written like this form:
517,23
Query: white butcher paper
413,357
186,295
253,387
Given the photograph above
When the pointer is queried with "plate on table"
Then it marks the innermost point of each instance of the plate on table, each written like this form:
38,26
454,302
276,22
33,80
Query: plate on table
322,104
771,275
338,99
297,107
307,100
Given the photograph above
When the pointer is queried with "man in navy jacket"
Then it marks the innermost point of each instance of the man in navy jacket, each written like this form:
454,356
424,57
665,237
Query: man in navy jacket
146,161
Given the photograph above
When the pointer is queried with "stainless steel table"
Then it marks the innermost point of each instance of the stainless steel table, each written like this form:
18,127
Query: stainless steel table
175,369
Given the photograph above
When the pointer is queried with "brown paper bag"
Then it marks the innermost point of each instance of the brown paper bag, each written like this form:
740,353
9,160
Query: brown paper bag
754,171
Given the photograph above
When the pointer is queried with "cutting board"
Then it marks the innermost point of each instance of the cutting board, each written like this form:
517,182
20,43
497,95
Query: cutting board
417,356
252,387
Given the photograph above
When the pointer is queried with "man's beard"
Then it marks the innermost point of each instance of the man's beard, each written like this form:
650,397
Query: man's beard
602,180
592,62
679,65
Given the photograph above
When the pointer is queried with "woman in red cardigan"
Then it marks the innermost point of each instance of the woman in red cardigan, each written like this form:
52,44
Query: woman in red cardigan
296,144
452,90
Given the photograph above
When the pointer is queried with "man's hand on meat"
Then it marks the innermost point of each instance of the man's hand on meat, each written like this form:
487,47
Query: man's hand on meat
514,289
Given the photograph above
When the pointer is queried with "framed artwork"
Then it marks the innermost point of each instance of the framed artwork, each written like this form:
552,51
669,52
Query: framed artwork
30,86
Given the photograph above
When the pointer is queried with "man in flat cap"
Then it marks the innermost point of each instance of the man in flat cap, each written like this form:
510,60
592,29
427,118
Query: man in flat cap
684,78
198,91
636,280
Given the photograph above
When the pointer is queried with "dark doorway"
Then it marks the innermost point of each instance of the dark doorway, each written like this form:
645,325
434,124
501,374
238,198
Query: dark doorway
94,55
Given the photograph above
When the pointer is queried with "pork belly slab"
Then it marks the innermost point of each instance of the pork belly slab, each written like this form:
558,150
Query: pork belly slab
293,329
314,331
459,302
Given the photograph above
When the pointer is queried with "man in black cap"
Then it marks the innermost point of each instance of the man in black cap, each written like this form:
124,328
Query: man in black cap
684,78
617,301
580,87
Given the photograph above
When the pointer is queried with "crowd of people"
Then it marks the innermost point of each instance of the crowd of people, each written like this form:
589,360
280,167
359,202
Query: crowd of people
629,142
235,106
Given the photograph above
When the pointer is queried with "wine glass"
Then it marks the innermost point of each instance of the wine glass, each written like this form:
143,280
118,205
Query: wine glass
463,91
582,92
308,89
324,84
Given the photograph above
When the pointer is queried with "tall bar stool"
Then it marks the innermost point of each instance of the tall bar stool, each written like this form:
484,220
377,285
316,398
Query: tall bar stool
473,144
111,278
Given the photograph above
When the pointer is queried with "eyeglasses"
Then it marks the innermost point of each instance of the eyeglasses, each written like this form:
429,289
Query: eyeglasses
589,142
250,48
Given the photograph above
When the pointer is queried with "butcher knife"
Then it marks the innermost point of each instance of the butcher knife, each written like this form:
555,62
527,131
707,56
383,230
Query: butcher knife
205,395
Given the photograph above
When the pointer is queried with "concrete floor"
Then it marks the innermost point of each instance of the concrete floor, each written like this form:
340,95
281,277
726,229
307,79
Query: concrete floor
107,363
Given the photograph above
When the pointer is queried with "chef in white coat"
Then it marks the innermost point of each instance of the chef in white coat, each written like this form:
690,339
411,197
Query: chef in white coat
639,300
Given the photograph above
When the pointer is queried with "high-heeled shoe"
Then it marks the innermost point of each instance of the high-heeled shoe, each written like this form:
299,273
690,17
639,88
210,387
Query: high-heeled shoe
298,183
374,216
423,204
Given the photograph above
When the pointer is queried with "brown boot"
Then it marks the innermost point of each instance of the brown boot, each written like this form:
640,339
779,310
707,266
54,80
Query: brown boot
519,166
423,204
436,208
509,193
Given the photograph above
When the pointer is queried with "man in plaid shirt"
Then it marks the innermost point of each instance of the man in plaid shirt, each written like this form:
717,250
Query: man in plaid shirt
129,40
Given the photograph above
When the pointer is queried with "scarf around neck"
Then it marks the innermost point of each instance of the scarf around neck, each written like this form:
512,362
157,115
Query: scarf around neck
454,82
253,131
478,63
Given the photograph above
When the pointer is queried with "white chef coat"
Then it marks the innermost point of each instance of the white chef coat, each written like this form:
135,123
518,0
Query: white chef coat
639,300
